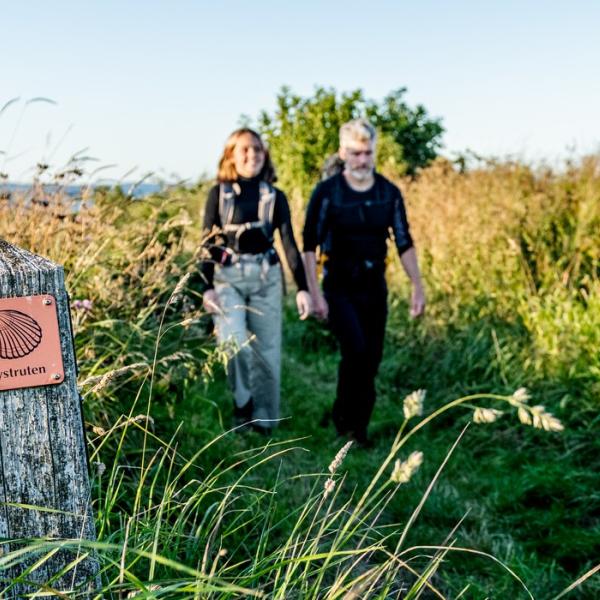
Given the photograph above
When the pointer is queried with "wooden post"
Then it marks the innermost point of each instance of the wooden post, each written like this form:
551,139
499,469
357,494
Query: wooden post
44,479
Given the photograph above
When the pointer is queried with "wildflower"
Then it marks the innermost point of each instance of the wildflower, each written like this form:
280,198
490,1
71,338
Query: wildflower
403,471
486,415
328,487
413,404
339,457
520,396
100,468
85,305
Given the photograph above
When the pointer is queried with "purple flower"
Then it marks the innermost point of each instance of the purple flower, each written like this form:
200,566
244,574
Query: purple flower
85,305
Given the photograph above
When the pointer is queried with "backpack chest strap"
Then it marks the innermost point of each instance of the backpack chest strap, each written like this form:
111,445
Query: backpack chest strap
266,211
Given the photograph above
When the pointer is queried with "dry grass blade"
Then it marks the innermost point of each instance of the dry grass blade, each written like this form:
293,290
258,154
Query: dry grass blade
578,582
477,553
40,99
424,497
9,103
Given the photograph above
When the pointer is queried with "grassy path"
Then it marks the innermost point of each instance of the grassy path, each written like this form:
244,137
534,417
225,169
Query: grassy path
528,497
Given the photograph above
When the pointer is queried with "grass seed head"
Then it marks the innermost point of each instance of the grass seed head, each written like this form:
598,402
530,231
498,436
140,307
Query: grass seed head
520,396
179,288
524,416
328,487
404,470
486,415
339,457
551,423
539,417
99,382
545,420
413,404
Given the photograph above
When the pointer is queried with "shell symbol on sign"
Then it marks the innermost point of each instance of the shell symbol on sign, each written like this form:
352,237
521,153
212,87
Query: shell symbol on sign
19,334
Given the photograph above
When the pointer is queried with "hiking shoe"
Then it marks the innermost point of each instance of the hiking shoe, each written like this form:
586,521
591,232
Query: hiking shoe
266,431
361,439
242,416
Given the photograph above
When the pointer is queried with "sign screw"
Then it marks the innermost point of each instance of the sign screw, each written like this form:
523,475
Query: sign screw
56,376
47,301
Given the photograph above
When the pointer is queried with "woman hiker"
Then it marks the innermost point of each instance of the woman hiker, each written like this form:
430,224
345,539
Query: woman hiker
243,277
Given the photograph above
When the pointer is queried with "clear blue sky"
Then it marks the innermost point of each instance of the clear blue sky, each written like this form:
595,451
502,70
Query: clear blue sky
159,85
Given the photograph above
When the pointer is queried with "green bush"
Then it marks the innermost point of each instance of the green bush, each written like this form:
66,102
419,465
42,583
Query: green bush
303,132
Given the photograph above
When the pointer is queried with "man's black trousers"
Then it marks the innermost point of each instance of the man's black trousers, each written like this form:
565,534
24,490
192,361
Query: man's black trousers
357,315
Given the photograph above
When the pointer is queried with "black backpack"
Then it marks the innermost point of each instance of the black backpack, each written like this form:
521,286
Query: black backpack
334,210
266,211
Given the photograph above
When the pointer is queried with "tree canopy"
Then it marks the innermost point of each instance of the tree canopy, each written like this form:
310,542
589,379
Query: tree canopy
303,131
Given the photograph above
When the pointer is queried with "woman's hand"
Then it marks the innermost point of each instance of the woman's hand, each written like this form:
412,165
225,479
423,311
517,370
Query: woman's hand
210,301
304,304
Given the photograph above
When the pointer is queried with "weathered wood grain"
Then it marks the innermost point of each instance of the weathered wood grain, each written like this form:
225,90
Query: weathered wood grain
42,447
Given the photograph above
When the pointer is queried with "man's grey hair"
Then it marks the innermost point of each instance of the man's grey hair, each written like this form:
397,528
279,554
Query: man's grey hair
357,130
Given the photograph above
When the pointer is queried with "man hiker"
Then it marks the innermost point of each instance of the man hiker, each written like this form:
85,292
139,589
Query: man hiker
349,218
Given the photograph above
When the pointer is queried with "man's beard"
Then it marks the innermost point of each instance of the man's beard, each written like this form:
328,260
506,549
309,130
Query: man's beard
360,173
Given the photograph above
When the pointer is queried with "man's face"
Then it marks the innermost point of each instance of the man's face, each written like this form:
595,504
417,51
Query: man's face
359,157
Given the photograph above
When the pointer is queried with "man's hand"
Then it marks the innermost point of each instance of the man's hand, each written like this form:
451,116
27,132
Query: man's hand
411,266
304,304
320,306
417,303
210,302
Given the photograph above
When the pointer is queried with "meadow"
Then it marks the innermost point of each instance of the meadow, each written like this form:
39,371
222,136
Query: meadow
487,490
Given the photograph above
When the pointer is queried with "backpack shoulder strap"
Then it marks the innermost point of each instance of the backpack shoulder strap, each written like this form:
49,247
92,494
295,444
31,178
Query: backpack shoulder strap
333,197
226,203
266,207
385,190
337,192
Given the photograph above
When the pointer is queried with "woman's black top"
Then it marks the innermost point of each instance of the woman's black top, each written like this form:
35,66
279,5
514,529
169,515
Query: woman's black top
252,241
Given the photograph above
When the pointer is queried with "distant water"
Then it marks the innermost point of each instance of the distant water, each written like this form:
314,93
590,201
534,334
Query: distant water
135,190
10,191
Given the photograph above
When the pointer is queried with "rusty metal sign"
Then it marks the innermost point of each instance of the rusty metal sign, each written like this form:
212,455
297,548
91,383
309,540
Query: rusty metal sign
30,353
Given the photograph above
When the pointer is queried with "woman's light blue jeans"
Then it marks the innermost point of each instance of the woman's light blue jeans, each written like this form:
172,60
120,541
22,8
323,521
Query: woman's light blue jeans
249,328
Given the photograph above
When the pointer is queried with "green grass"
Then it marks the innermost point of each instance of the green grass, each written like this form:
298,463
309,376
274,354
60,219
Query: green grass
527,497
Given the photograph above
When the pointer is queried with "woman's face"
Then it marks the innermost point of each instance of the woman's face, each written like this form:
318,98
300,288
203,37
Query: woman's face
248,156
